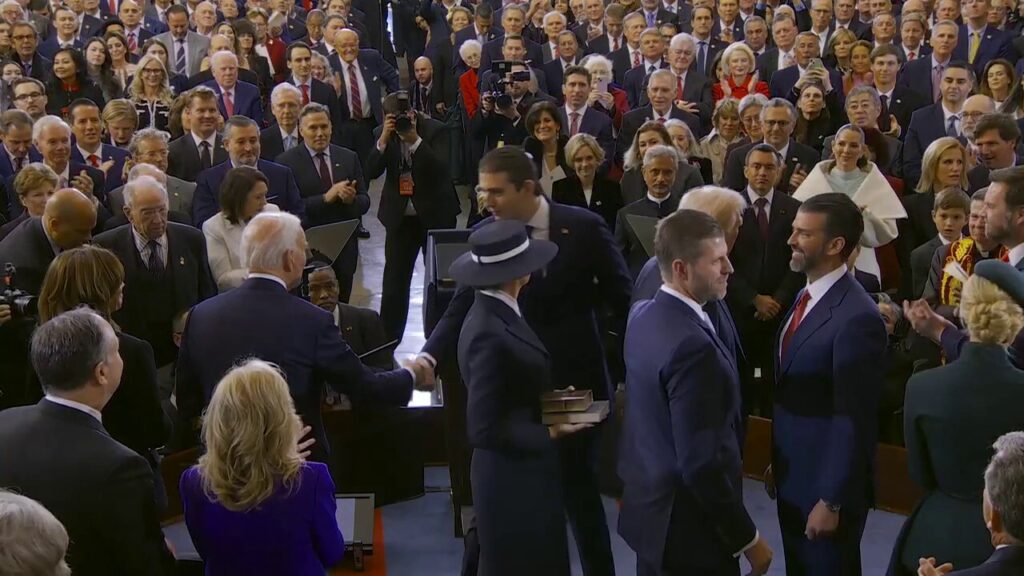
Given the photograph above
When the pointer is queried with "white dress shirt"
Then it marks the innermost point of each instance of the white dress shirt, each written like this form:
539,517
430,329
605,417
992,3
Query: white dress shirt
770,196
77,406
212,141
504,297
1016,255
364,99
697,308
946,115
817,290
541,221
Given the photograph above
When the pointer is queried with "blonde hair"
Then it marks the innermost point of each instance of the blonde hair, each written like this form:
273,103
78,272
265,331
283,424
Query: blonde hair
734,48
579,142
724,205
34,176
989,313
120,109
136,91
930,163
251,432
32,541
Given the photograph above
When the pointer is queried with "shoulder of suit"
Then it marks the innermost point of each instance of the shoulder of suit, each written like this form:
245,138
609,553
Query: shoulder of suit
183,229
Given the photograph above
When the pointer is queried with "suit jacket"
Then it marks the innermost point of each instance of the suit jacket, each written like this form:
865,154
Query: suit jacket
605,200
492,52
272,143
761,266
737,29
375,71
469,33
630,245
622,62
1003,562
916,75
567,328
41,67
344,165
90,26
247,101
7,163
554,76
784,81
920,264
363,330
922,51
994,44
926,125
635,83
634,188
179,197
28,248
634,119
323,93
826,394
682,505
99,489
902,104
196,47
50,46
434,197
183,157
869,282
734,179
714,47
282,190
978,177
206,76
260,318
768,64
598,125
112,178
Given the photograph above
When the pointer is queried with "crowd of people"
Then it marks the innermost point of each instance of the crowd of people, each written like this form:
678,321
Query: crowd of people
839,247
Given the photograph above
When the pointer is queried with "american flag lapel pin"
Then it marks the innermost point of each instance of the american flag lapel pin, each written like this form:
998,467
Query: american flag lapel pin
181,261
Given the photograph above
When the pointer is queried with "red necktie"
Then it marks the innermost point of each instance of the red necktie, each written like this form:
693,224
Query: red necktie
305,94
357,104
679,87
616,45
794,322
133,47
575,126
1005,257
661,120
307,5
113,7
229,104
636,58
94,160
325,172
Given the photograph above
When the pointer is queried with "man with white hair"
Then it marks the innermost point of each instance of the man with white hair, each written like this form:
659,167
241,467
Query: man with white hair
693,91
283,135
233,97
554,24
149,150
204,18
52,138
659,171
662,87
262,319
165,266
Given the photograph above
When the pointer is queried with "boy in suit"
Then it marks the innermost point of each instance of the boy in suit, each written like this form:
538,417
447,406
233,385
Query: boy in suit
952,207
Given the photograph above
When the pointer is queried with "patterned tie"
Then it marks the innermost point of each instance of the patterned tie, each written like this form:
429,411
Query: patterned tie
679,87
951,127
357,103
325,172
229,104
205,159
975,44
305,93
132,46
911,56
937,82
155,263
289,142
794,322
762,217
636,58
787,61
179,61
574,126
19,163
662,120
94,160
113,6
650,20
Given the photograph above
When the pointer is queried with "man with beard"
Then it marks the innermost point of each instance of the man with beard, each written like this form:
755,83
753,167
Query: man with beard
826,395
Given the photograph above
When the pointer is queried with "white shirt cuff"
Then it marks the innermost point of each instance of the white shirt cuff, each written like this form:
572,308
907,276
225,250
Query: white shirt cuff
379,149
757,536
426,356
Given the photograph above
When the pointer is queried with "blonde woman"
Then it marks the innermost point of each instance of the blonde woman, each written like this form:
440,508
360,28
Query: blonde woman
600,194
951,419
151,94
739,75
944,165
252,504
728,131
850,172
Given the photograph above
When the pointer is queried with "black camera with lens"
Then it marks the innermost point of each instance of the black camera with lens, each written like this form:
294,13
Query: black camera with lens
502,75
402,122
23,304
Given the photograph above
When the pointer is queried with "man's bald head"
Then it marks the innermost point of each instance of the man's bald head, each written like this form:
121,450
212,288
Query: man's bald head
423,69
974,108
69,218
274,243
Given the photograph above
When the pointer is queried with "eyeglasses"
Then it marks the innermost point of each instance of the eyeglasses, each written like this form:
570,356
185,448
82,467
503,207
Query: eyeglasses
29,96
779,123
21,37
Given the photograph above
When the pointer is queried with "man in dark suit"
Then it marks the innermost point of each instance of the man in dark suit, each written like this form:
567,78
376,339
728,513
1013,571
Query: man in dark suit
483,29
361,328
67,223
17,150
940,119
65,33
787,83
202,147
828,379
89,148
578,117
707,44
257,317
330,181
25,40
135,32
996,137
514,50
299,58
362,72
283,135
897,101
682,506
778,120
166,267
763,286
783,54
628,56
58,453
728,26
978,42
496,126
567,328
924,75
661,92
513,22
659,172
242,141
695,96
421,89
234,97
418,196
569,56
655,14
652,48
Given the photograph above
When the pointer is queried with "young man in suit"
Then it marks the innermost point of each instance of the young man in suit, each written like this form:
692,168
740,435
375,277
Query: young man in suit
166,267
418,196
578,117
65,33
234,97
828,379
185,48
89,148
708,46
202,147
586,252
513,22
256,318
924,75
58,452
763,286
950,216
242,142
897,101
783,54
331,183
938,120
299,59
778,120
682,506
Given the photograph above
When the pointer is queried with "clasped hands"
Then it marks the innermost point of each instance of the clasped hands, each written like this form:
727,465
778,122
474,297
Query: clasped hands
345,191
423,371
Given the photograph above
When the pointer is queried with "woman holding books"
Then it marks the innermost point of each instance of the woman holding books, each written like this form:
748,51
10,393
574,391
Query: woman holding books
515,476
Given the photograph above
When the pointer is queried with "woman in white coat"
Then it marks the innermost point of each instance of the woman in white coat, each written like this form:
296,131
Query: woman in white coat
851,172
243,195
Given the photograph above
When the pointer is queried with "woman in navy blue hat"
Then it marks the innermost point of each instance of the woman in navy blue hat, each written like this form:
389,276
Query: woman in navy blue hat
515,477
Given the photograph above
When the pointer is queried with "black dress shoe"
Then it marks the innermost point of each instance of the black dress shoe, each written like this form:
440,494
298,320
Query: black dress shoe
362,232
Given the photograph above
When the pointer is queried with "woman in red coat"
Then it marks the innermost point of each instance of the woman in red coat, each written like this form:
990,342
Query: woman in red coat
470,54
739,77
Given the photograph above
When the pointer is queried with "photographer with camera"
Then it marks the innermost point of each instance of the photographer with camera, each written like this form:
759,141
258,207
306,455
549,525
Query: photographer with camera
504,101
418,196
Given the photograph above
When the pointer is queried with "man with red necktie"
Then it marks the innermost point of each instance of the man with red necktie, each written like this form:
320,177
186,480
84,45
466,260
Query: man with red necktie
89,148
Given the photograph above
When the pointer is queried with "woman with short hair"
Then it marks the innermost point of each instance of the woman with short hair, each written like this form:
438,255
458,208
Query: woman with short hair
728,131
32,541
252,504
34,185
597,193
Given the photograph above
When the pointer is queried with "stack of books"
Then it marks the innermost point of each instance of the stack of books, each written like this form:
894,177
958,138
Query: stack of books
572,407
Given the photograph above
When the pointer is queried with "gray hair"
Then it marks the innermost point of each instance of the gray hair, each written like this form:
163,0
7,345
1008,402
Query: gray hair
66,349
753,19
268,238
220,56
146,134
682,38
143,169
32,540
866,89
661,151
281,89
49,121
237,121
7,3
468,45
320,57
554,14
677,123
662,74
779,103
592,60
751,100
139,184
1004,481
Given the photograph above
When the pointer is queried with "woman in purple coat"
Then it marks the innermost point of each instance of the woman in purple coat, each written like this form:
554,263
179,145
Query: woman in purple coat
252,504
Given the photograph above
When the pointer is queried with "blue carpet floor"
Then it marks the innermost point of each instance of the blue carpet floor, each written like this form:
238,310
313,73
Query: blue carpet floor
420,541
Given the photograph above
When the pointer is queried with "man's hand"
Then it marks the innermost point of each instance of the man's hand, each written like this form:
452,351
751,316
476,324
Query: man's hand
822,522
304,445
425,380
767,307
387,130
410,136
347,191
760,557
441,108
556,431
894,127
82,183
5,314
687,106
924,320
927,567
798,177
106,166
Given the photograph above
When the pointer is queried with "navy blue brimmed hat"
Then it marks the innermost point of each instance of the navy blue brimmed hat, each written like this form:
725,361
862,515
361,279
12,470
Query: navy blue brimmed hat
1003,275
500,252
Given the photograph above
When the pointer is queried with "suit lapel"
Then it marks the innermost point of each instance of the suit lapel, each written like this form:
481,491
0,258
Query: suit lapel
515,325
817,317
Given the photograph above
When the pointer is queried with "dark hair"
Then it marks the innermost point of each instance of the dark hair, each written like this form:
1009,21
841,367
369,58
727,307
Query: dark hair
979,194
1013,177
1012,80
14,118
884,50
511,161
842,218
80,103
176,9
1003,123
767,149
508,37
702,7
67,348
533,116
244,27
105,74
314,108
294,46
578,70
680,236
235,190
484,10
154,40
961,65
81,69
952,199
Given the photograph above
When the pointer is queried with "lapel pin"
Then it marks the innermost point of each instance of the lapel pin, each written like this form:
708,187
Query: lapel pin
181,261
565,230
598,203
